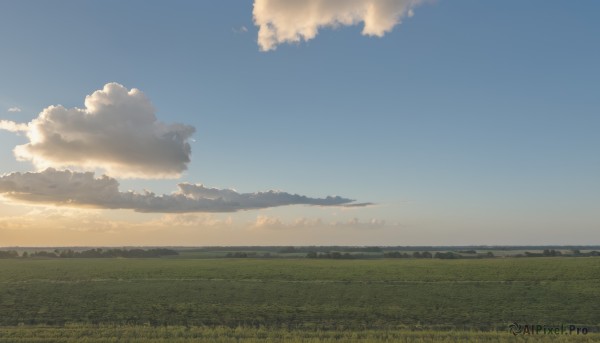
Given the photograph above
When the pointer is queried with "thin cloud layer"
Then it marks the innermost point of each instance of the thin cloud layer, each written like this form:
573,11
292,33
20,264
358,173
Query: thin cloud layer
83,189
14,109
117,131
266,222
292,21
254,200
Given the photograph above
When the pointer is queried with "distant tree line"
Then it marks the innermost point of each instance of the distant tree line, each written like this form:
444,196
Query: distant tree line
93,253
396,254
474,248
292,250
546,252
557,253
9,254
439,254
577,252
407,248
354,253
473,254
416,254
336,255
242,254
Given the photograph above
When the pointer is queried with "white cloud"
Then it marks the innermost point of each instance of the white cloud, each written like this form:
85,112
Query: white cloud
12,126
117,131
14,109
291,21
75,189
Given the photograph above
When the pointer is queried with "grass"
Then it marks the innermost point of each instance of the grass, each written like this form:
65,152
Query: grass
90,333
304,299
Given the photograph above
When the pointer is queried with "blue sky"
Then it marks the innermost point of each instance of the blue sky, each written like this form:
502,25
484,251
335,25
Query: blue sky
469,123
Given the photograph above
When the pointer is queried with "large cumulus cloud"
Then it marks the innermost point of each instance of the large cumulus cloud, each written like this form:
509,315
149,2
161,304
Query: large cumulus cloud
288,21
117,131
83,189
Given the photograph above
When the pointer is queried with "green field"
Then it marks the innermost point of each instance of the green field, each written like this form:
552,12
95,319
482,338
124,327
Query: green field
406,300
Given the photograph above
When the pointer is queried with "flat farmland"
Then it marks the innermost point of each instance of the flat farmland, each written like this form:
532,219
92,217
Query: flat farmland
312,299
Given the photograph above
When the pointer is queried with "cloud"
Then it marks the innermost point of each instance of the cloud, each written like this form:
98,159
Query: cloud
77,189
241,29
254,200
192,220
117,131
71,220
266,222
292,21
11,126
14,109
357,224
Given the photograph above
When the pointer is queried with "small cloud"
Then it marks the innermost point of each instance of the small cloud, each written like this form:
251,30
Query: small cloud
76,189
292,21
192,220
356,223
266,222
14,109
241,29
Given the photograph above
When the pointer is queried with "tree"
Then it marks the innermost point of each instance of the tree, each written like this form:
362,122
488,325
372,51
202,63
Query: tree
9,254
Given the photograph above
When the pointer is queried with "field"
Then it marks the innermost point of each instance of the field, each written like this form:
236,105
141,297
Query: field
303,300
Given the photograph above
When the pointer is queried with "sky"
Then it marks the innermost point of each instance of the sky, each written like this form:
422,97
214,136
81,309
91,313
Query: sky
284,122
